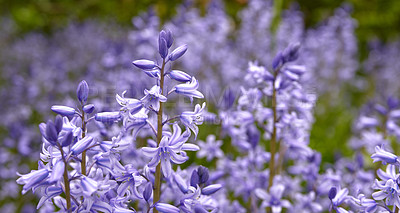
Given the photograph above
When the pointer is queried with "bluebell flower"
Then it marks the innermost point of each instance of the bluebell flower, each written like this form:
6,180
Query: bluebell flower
82,91
145,64
179,76
192,119
166,208
211,189
81,145
189,89
162,44
33,179
148,191
178,52
89,186
63,110
210,149
89,108
388,186
49,193
136,121
274,198
338,199
51,134
58,171
153,97
168,150
390,191
107,117
131,179
129,104
384,156
366,204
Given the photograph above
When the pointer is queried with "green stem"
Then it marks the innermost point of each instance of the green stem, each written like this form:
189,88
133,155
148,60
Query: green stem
83,162
157,182
278,5
273,136
66,181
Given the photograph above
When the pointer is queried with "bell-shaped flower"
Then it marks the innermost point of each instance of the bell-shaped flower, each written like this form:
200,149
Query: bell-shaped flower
82,91
162,45
58,171
136,121
148,191
144,64
189,89
389,190
129,104
63,110
211,189
338,199
274,198
71,126
33,179
384,156
131,179
166,208
88,186
153,97
366,204
81,145
178,52
107,117
168,150
179,76
49,193
192,119
88,108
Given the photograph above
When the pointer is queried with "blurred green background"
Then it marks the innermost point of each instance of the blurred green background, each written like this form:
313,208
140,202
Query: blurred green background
377,19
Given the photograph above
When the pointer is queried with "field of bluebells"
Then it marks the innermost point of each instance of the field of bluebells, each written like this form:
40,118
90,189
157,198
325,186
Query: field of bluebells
199,115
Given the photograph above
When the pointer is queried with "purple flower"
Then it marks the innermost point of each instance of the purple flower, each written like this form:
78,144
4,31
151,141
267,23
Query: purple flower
189,89
274,198
88,186
211,189
144,64
51,134
210,149
63,110
81,145
389,190
340,197
58,171
130,181
147,192
179,76
129,104
192,119
162,44
82,91
367,205
166,208
88,108
169,150
33,179
384,156
178,52
107,116
153,97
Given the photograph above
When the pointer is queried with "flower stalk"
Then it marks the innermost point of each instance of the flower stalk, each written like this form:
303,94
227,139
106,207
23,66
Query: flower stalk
157,182
67,188
273,136
83,162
